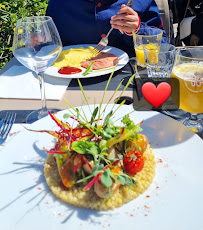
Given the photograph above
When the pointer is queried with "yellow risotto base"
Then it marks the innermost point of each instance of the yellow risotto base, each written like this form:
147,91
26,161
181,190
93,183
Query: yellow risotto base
88,199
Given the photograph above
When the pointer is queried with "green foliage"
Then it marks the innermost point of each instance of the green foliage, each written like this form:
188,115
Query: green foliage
10,12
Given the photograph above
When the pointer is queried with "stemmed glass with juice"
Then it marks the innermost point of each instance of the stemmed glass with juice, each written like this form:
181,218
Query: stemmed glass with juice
188,69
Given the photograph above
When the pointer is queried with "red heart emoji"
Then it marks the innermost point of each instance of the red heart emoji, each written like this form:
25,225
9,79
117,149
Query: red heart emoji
156,96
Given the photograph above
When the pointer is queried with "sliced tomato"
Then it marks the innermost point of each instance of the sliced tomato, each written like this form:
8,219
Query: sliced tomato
138,144
133,162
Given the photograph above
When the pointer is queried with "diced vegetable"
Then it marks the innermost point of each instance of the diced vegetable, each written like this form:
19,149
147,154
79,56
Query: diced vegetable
67,174
118,138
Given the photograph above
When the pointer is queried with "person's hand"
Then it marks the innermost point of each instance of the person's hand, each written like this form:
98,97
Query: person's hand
126,20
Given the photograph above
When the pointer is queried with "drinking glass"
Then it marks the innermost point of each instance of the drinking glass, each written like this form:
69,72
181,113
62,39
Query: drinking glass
36,45
150,37
188,69
159,62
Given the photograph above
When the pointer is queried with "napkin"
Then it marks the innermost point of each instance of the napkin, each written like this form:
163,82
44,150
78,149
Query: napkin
21,83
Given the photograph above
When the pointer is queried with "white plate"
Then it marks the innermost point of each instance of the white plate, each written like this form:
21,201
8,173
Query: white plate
122,57
173,201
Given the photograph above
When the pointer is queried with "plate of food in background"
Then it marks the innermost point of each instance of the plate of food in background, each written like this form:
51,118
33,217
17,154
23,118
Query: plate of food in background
77,61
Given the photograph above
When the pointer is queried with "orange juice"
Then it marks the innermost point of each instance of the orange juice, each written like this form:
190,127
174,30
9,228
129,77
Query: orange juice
139,50
190,76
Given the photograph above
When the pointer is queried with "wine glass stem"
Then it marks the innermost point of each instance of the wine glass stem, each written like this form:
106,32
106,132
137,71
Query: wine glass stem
44,110
193,119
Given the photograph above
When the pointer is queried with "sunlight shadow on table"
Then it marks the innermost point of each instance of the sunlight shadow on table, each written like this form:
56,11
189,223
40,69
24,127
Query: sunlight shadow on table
163,131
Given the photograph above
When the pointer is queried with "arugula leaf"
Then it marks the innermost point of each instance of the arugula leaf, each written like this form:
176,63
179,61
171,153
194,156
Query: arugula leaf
89,69
85,147
129,181
106,119
121,179
102,146
106,178
105,135
125,179
66,115
111,130
97,168
78,113
94,114
129,124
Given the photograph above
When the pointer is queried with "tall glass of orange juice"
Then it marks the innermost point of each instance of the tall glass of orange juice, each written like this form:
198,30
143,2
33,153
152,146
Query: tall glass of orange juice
188,69
150,37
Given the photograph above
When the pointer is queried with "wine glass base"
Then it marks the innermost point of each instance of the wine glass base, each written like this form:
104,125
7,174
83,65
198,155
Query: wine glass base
177,114
37,115
195,126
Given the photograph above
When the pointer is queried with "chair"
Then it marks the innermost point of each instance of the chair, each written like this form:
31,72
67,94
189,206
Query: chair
165,15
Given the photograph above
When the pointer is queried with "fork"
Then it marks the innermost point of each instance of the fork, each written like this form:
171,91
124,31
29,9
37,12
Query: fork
104,41
5,126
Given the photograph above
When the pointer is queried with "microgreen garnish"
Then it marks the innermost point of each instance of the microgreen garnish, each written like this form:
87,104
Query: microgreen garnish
129,124
94,115
98,145
66,116
85,147
107,177
105,93
89,69
97,169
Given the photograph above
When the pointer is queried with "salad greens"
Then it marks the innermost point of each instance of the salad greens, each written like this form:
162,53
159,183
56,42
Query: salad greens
92,141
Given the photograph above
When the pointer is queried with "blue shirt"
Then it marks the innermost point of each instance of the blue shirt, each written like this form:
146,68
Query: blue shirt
85,21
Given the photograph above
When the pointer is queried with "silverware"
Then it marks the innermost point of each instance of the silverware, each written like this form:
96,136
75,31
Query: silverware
104,41
5,126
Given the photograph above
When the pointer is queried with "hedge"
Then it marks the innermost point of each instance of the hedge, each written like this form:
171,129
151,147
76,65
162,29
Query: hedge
10,12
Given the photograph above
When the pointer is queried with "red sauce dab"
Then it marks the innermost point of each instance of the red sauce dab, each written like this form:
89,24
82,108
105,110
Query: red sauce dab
69,70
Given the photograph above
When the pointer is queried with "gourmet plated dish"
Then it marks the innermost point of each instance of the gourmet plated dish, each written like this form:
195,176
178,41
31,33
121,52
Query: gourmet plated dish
70,61
97,164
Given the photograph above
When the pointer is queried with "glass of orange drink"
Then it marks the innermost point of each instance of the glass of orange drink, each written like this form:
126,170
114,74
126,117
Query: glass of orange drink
150,37
188,69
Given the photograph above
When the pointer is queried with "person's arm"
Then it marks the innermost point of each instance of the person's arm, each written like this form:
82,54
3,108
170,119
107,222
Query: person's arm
128,20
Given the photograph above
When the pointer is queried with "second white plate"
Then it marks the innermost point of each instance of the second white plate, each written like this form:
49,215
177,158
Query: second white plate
122,57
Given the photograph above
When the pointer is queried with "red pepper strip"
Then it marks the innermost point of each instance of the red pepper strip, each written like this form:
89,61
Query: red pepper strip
123,128
91,183
75,119
87,162
58,123
95,120
55,152
77,166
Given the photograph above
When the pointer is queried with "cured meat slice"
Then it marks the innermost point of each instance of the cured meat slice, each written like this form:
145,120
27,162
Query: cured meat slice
101,61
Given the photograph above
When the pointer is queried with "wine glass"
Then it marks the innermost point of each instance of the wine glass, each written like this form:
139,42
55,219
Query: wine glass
188,69
36,45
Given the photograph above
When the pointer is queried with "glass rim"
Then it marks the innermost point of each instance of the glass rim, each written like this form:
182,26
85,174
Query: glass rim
185,48
148,29
28,19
